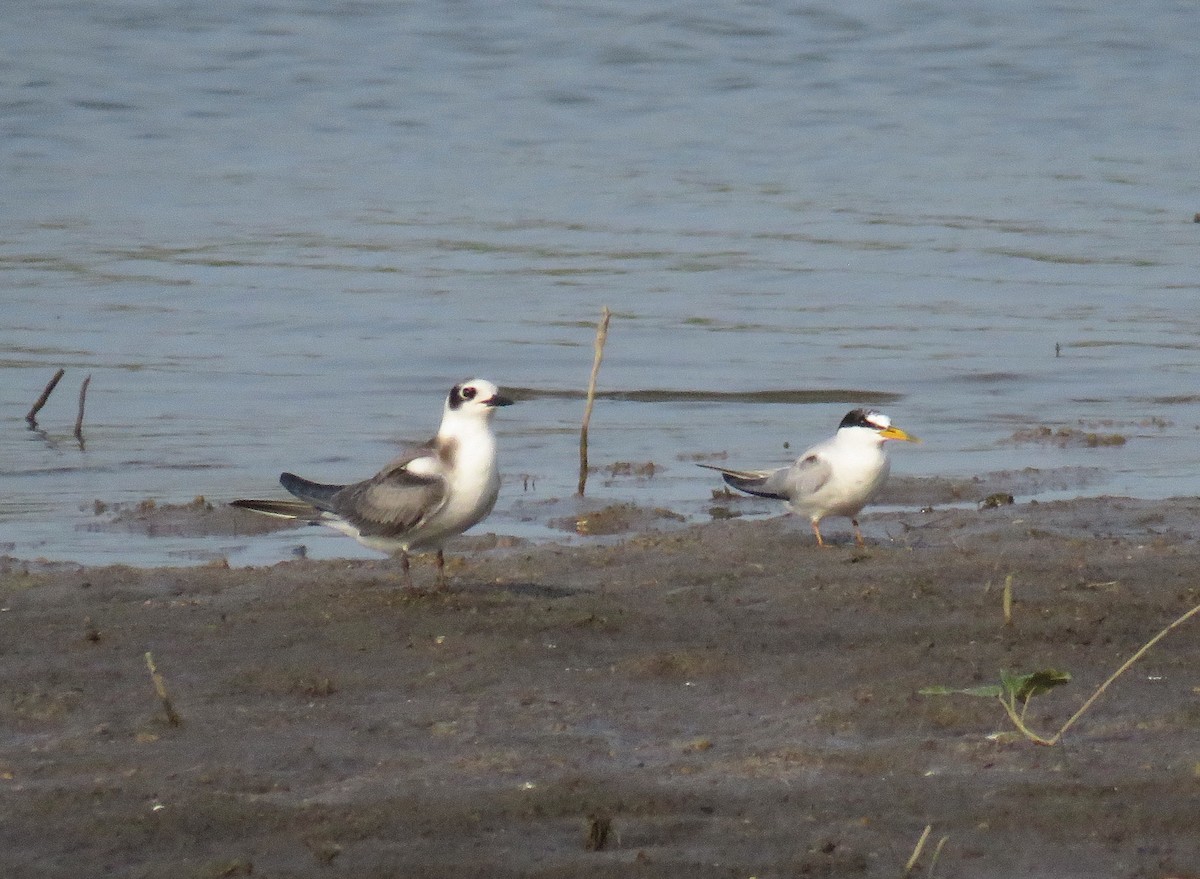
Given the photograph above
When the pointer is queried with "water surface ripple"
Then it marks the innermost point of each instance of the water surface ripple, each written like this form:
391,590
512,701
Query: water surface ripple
275,235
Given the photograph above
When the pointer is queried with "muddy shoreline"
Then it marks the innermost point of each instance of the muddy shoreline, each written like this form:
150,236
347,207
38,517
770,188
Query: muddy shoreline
704,700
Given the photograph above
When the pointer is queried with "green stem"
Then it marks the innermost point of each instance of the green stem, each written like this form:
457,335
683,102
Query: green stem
1019,723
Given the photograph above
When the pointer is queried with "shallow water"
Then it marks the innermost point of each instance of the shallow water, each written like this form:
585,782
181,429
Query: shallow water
274,236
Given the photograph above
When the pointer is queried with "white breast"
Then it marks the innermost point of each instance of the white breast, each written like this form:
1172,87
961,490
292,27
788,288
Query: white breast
474,485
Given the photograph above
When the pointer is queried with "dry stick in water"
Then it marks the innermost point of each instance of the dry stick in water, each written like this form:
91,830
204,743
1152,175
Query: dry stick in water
160,687
41,401
601,338
79,418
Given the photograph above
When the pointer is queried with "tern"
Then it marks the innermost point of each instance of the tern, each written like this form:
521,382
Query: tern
422,498
837,477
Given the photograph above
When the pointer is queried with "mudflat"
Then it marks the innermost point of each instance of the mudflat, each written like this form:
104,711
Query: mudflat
721,700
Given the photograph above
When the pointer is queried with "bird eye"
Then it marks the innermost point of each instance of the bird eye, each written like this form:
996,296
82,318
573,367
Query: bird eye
468,393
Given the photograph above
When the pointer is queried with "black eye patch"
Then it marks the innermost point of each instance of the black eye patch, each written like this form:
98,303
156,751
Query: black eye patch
469,393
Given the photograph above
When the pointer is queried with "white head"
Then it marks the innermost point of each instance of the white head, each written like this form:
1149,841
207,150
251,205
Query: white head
474,399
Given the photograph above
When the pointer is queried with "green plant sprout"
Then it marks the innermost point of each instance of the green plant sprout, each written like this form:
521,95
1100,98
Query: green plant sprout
1020,688
1014,692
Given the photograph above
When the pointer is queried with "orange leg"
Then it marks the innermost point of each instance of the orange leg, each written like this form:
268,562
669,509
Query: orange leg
817,531
858,538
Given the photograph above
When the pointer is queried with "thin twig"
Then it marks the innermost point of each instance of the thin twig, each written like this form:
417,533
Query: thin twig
1007,601
83,388
1124,667
41,401
1018,720
160,687
601,338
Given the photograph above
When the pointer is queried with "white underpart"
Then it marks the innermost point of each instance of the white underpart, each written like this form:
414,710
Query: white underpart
858,470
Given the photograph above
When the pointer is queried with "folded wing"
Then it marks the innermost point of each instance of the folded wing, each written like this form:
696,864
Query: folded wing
392,502
806,477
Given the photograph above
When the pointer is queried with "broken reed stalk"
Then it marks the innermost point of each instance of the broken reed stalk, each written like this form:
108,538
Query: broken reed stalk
916,854
1054,739
601,338
937,853
1008,600
83,389
41,401
160,687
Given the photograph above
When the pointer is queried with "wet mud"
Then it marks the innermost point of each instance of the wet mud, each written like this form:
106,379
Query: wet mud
715,700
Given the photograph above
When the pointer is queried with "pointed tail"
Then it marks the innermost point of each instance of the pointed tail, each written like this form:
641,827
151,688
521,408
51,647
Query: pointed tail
750,481
312,498
280,509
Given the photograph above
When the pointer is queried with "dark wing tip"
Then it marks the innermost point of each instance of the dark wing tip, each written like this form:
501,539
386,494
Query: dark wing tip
315,493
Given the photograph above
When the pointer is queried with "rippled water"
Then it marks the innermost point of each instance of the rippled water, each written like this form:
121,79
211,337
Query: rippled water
276,234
